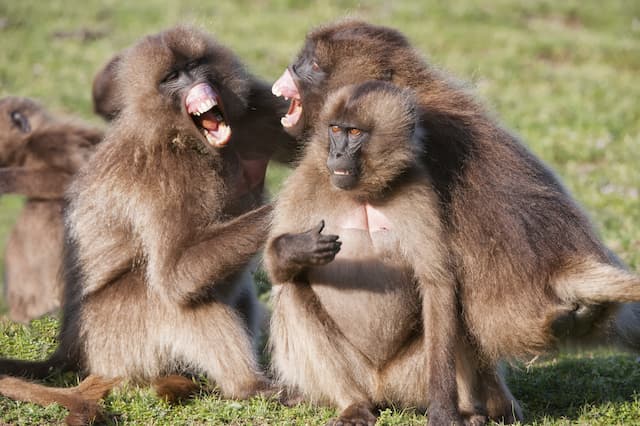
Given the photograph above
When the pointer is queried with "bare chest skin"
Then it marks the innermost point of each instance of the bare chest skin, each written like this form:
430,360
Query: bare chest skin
368,290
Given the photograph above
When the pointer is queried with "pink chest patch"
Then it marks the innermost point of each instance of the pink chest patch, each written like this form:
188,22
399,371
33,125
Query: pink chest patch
367,218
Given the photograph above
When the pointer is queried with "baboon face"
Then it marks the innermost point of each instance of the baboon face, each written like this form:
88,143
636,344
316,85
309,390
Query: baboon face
183,72
333,56
19,118
370,134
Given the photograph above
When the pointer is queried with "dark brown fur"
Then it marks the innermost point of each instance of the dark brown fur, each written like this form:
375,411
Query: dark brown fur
39,154
533,275
355,332
162,226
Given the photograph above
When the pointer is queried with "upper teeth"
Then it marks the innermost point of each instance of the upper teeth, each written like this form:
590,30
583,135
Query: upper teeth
341,172
205,106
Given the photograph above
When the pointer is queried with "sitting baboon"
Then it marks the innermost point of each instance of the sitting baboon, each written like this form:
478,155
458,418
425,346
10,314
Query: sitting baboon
532,273
165,219
39,153
354,331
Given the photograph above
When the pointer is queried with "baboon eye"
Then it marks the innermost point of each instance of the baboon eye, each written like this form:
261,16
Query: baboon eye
173,75
335,129
20,121
315,66
355,132
193,64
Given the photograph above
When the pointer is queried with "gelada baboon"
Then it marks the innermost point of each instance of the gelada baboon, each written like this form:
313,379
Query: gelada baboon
272,143
532,273
164,220
39,153
349,327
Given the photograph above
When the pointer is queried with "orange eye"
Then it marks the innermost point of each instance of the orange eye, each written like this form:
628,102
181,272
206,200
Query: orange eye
335,129
355,132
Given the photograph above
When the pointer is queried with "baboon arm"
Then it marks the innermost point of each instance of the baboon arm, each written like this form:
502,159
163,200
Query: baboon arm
290,255
220,251
45,184
424,246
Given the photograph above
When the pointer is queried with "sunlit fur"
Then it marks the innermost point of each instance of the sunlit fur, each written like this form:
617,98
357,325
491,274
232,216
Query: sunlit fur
159,243
533,274
351,333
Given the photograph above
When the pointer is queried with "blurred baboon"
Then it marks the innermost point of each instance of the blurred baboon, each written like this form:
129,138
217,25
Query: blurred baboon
106,98
164,221
532,273
39,153
353,331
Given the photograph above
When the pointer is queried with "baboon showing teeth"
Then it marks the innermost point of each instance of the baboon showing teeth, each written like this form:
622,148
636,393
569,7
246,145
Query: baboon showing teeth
39,153
163,223
532,274
348,326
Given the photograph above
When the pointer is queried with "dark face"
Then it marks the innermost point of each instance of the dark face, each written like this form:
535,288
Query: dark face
334,56
344,161
186,83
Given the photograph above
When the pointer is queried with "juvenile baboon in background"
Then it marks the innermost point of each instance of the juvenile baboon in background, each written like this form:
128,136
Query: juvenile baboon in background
532,273
353,331
164,220
39,154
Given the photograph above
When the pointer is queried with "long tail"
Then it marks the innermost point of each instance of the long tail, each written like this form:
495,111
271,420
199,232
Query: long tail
81,400
594,282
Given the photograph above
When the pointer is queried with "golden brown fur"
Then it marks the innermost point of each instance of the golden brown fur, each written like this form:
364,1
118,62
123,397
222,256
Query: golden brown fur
532,273
354,332
39,154
163,224
82,401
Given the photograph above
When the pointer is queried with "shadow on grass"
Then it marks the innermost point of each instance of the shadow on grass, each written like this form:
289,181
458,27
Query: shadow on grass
562,387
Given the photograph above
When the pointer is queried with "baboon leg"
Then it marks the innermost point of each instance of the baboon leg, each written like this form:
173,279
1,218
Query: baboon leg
310,354
502,407
214,339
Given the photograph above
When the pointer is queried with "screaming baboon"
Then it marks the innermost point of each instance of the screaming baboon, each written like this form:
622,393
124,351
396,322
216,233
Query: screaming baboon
532,274
164,221
39,154
349,325
107,94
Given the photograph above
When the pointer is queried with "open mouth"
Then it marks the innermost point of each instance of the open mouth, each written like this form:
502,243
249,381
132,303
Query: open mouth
286,87
204,105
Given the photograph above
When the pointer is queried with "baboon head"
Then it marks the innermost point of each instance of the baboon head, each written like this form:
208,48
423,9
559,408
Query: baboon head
339,54
19,119
187,84
368,137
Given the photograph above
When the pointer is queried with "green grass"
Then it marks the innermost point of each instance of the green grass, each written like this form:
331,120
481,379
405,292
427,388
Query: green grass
564,75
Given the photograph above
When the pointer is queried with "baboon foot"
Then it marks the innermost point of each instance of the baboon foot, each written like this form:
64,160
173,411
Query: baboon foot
354,415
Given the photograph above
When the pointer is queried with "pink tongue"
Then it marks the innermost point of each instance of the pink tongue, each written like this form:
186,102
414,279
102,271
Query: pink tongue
209,121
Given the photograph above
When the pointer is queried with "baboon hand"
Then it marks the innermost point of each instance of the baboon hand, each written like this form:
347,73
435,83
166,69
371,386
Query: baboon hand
309,248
